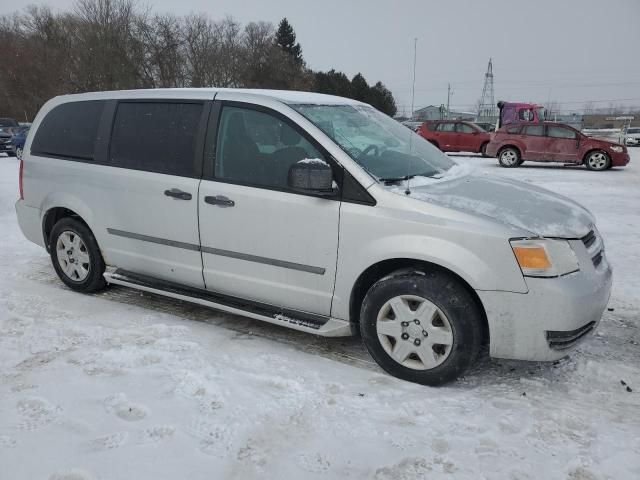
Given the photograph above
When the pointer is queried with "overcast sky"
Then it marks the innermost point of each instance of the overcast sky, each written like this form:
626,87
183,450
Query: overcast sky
567,51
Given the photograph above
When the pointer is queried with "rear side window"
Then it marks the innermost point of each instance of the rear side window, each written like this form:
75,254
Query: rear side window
431,126
69,131
513,130
464,128
156,137
534,130
446,127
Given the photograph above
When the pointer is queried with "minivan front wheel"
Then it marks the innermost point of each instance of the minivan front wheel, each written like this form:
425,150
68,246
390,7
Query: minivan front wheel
598,161
424,328
509,157
76,256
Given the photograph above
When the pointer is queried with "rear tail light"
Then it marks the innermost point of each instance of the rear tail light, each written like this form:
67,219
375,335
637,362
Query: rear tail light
20,180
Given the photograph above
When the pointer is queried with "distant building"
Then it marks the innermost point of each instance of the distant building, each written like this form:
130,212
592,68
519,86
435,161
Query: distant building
435,112
601,120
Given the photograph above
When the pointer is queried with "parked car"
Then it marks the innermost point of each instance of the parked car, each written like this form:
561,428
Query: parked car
632,136
8,124
412,125
17,141
486,126
455,135
554,142
312,212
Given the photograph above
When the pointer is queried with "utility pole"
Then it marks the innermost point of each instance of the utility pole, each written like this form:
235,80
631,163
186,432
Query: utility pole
448,98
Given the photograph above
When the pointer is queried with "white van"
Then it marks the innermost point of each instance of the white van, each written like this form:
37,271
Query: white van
313,212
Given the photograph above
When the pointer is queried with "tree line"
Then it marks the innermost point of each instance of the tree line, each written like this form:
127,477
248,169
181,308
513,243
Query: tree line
114,45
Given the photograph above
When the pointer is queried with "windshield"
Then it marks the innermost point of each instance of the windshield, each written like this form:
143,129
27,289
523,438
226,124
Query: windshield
633,130
385,148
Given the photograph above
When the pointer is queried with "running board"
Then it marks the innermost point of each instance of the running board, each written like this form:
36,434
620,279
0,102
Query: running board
302,321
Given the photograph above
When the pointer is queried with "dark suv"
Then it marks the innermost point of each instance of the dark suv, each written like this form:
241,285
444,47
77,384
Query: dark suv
7,125
455,135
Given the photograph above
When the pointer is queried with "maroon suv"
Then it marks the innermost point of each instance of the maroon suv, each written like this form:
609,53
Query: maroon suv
455,135
554,142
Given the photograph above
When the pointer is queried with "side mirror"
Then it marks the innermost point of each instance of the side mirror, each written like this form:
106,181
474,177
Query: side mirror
312,175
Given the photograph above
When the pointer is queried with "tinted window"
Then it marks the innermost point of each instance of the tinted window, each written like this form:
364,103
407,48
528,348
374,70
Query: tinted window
464,128
534,130
69,130
257,148
431,126
560,132
446,127
156,137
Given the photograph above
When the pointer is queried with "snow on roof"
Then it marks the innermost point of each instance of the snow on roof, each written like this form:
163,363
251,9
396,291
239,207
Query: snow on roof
286,96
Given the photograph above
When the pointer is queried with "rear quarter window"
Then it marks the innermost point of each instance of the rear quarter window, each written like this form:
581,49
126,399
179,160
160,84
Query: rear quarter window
69,131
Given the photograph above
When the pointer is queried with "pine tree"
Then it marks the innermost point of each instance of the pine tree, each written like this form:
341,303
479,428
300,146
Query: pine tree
286,40
359,88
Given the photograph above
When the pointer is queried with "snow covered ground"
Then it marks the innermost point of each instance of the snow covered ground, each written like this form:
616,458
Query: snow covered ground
124,385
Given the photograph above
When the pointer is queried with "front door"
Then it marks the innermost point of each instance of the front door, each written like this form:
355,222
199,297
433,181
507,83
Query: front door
467,138
562,144
260,240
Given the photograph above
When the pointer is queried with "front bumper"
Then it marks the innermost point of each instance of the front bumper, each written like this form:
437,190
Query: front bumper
619,159
546,323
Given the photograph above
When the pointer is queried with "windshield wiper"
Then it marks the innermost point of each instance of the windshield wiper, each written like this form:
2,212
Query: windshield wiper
395,179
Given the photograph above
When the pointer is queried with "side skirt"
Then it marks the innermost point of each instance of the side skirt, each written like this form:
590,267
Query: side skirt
302,321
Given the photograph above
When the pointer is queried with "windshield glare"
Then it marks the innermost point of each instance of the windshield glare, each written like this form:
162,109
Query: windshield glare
382,146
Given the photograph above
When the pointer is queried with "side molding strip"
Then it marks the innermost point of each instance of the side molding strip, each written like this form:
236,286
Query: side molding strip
217,251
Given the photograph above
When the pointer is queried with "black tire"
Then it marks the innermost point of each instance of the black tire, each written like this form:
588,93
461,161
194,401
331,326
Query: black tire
509,157
445,292
597,161
483,149
94,280
520,161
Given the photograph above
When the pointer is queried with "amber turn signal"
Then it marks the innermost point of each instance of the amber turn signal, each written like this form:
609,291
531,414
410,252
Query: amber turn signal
534,257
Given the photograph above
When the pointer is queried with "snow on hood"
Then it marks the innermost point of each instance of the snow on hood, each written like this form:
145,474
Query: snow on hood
510,202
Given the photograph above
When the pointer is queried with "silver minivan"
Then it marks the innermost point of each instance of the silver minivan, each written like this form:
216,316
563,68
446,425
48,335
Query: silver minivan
313,212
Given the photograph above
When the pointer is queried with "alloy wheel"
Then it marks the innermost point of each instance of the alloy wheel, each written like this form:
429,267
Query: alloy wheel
73,256
509,157
598,161
414,332
19,153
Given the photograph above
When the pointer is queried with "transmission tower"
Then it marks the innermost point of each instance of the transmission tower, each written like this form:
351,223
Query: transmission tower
487,111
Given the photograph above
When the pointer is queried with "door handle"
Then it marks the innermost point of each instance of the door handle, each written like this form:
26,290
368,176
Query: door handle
220,201
178,194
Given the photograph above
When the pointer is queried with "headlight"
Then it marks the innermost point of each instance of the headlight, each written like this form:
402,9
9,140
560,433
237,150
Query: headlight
616,148
545,257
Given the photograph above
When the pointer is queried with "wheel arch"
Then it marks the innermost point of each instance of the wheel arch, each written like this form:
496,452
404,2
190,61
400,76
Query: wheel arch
510,145
592,150
388,267
54,215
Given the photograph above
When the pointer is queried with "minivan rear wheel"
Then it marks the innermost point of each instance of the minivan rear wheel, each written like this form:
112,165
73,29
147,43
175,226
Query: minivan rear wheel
424,328
76,256
598,161
509,157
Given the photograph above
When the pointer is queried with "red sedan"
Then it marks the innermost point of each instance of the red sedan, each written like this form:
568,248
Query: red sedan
455,135
554,142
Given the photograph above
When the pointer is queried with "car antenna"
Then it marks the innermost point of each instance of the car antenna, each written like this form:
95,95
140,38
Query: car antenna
413,96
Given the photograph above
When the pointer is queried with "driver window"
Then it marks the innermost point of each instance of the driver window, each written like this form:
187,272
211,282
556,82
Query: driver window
257,148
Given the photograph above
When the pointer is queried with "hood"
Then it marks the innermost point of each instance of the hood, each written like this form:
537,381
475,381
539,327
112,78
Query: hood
510,202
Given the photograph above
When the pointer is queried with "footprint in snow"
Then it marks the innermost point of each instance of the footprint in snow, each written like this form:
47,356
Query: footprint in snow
73,474
36,412
157,434
313,462
108,442
119,405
